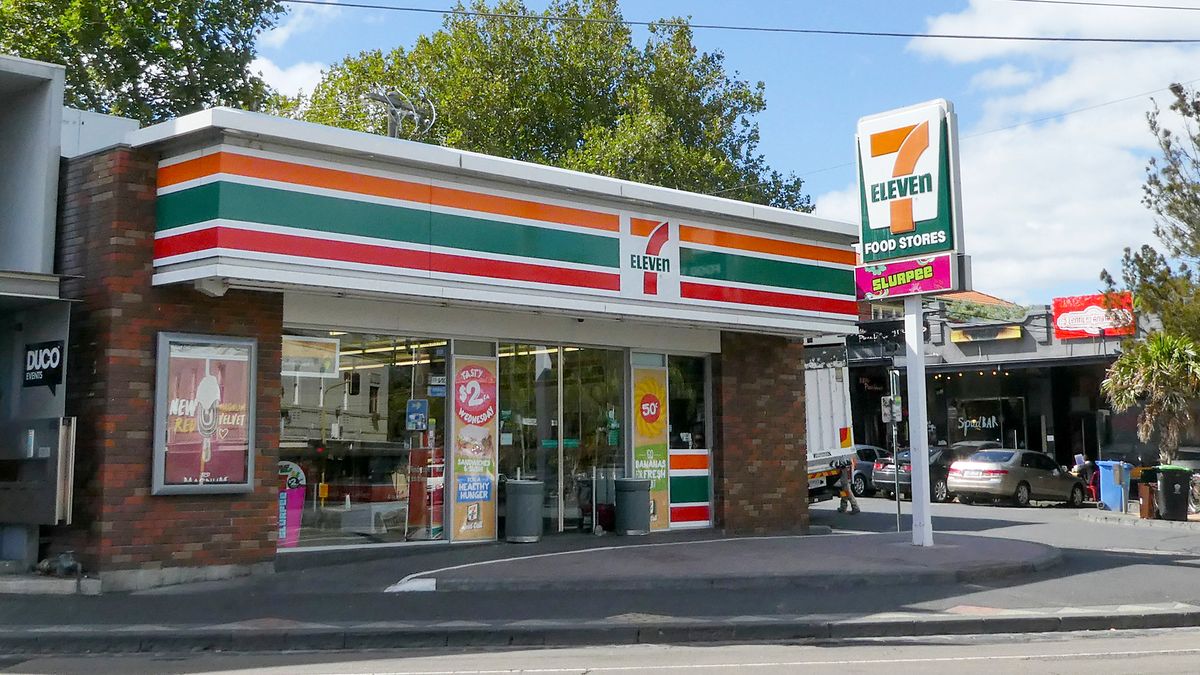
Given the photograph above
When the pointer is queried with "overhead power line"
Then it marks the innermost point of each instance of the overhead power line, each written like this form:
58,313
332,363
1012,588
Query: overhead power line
756,29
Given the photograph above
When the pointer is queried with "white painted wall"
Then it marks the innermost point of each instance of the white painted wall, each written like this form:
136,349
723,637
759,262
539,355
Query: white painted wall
30,131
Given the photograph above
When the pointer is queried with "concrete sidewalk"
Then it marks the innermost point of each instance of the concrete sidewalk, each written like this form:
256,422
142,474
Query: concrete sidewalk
696,586
745,562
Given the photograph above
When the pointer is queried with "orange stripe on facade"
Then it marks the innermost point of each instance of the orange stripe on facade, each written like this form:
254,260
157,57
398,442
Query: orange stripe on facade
747,242
681,462
519,208
641,227
887,142
391,188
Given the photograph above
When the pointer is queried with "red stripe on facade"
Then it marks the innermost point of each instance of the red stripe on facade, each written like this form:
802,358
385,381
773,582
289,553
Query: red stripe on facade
369,254
689,514
746,296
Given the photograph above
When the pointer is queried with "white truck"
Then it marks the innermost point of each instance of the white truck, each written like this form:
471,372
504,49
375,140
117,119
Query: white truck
828,425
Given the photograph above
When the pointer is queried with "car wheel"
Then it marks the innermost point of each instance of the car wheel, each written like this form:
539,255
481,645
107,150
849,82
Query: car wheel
941,491
963,499
1076,499
859,486
1021,496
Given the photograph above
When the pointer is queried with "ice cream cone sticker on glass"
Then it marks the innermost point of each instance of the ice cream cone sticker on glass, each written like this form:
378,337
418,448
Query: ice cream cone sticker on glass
650,439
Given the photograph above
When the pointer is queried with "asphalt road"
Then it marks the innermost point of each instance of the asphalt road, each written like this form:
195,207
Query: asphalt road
1159,652
1104,564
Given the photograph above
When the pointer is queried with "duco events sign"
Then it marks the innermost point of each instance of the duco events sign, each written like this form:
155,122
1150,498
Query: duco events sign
908,177
43,365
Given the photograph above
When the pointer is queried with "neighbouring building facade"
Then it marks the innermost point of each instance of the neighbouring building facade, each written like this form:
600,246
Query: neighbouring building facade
1030,383
286,337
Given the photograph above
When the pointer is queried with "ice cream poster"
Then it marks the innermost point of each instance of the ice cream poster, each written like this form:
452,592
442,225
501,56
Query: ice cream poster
205,417
474,447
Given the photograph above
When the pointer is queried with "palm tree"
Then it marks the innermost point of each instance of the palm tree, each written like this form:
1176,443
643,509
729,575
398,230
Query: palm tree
1162,375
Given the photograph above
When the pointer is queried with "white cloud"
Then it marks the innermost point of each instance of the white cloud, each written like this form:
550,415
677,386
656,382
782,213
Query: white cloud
1004,77
297,77
300,18
1047,205
988,17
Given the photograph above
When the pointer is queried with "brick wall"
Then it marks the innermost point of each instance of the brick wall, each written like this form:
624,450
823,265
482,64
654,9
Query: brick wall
106,244
760,467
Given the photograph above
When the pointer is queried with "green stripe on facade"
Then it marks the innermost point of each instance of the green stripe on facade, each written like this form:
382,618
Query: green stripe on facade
493,236
763,271
689,489
285,208
333,215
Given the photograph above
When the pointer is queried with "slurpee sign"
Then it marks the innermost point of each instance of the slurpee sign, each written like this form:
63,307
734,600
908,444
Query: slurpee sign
908,171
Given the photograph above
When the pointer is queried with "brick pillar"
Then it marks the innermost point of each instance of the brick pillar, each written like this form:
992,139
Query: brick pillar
760,464
106,247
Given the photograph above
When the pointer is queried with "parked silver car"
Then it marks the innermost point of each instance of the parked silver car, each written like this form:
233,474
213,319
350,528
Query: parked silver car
1019,475
861,482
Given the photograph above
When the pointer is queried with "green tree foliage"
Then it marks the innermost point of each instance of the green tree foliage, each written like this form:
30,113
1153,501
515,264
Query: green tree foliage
147,59
1162,375
1164,283
963,311
575,94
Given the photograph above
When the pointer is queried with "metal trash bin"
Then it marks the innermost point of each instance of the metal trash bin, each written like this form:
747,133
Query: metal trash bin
523,511
633,506
1174,484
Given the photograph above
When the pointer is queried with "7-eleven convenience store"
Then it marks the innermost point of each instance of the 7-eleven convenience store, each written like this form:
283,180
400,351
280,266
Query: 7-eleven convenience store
300,338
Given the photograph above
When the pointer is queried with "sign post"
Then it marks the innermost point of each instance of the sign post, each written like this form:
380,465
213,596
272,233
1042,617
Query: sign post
911,237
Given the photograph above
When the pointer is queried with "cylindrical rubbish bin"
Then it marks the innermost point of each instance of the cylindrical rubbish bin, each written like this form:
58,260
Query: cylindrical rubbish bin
633,506
1114,492
1174,483
523,511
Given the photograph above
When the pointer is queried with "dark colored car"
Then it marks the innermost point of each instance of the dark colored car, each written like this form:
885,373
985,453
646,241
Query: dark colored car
940,460
861,481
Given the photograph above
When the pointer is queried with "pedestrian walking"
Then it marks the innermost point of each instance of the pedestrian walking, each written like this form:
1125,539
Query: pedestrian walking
847,492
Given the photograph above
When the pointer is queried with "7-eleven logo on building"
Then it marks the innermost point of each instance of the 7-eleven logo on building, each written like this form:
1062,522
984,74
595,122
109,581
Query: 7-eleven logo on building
906,182
650,258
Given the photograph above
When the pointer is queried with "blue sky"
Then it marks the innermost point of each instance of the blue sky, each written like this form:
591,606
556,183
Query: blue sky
1046,204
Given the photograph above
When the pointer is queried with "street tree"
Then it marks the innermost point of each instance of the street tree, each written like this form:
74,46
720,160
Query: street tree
150,59
575,93
1162,376
1164,283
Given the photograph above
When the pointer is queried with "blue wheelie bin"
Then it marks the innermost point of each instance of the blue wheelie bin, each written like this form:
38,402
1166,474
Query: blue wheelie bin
1113,493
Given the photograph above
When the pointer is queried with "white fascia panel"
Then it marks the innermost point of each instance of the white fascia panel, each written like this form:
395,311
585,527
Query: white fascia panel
284,277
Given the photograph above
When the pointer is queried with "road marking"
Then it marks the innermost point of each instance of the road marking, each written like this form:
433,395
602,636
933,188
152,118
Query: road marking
798,664
406,585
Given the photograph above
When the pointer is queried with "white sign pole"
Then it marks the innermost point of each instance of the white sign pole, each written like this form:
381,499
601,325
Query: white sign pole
918,435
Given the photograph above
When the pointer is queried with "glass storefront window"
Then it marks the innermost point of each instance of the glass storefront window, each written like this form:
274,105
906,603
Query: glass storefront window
593,439
529,420
687,402
989,419
362,452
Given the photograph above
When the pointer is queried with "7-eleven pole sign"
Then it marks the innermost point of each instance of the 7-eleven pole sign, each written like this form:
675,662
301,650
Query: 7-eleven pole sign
908,178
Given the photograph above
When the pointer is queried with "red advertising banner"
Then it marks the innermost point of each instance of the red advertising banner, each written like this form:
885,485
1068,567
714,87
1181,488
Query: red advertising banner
476,432
205,416
1089,316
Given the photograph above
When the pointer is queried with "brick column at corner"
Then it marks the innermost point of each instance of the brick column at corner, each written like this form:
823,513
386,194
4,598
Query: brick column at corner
106,249
760,467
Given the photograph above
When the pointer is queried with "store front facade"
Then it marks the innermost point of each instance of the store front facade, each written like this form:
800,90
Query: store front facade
358,340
